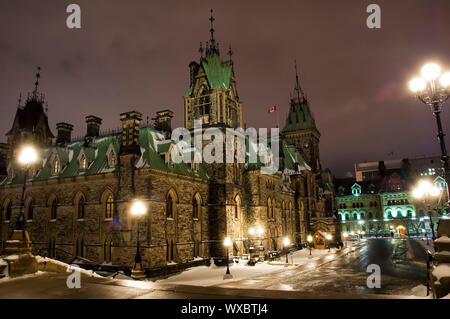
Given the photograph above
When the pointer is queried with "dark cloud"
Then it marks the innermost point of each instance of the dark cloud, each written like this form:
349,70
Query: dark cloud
135,55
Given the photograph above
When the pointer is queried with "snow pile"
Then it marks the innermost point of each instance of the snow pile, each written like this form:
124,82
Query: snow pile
419,291
443,239
61,265
441,271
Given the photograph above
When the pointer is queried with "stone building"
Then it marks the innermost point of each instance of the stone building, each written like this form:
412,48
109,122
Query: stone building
79,193
380,201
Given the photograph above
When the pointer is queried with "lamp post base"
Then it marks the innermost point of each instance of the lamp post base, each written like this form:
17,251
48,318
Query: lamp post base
138,272
227,276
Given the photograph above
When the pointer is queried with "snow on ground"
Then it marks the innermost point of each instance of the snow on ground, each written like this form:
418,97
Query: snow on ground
208,276
441,271
443,239
9,279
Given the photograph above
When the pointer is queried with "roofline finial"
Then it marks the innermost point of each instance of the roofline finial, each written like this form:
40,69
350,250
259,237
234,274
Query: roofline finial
298,89
36,84
213,46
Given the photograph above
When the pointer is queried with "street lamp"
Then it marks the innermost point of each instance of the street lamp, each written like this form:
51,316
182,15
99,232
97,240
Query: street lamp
310,239
433,92
26,158
286,243
328,241
426,191
227,243
252,262
138,209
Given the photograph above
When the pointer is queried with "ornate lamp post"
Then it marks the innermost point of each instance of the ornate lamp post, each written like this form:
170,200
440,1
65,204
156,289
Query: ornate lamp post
27,157
328,241
434,93
310,239
426,191
227,243
138,209
252,262
286,243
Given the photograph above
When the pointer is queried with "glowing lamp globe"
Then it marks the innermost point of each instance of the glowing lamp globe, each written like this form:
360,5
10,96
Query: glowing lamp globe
329,237
27,155
445,79
310,238
227,242
417,193
260,231
417,85
425,186
138,208
251,231
431,71
345,235
435,191
286,241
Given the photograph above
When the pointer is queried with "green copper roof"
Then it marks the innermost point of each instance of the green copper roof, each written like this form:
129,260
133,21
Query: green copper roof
217,73
299,118
152,145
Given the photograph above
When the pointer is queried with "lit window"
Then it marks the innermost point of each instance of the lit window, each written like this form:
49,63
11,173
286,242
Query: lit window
109,207
83,162
56,166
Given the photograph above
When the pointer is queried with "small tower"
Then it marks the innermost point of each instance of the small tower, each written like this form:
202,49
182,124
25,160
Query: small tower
300,129
212,96
30,123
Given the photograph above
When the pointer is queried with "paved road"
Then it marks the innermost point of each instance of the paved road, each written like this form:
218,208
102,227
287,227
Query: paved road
343,277
348,274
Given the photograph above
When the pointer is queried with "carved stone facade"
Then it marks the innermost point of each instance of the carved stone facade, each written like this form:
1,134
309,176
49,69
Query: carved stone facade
78,198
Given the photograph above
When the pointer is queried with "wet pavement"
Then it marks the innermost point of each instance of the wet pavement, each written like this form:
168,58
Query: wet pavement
347,274
335,276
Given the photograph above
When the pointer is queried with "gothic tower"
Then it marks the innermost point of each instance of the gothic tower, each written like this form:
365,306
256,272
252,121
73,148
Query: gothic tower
212,96
30,123
300,129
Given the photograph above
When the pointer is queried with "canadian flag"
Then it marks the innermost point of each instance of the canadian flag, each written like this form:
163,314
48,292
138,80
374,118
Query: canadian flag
272,109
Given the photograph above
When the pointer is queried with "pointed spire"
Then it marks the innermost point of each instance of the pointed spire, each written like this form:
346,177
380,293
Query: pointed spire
36,84
201,50
230,52
20,100
299,94
212,46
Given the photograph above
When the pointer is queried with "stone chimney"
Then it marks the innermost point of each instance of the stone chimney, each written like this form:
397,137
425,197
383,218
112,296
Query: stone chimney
93,126
130,133
163,122
64,133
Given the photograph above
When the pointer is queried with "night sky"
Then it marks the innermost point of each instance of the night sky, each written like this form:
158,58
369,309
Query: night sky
134,55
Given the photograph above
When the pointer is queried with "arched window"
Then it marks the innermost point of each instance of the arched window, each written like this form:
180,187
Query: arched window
370,215
83,162
196,208
53,209
30,210
375,204
109,213
8,211
355,216
409,213
169,206
389,214
361,215
347,216
56,166
237,201
269,208
81,208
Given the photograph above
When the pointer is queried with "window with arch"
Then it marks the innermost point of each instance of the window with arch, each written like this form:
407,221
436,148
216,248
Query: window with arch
409,213
370,215
347,216
109,209
81,207
8,211
30,210
83,162
169,206
56,166
389,214
237,202
53,209
196,206
355,216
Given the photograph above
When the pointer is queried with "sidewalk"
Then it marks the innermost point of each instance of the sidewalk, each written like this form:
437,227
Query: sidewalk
204,276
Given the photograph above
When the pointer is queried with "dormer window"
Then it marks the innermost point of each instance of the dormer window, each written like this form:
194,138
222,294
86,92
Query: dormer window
56,166
83,162
356,190
112,157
